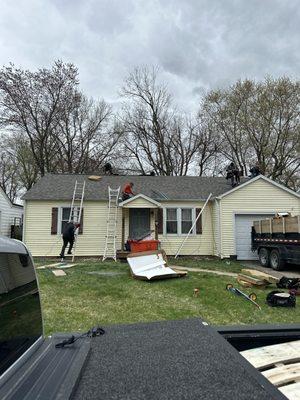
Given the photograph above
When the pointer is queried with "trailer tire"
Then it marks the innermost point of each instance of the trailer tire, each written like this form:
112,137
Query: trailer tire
276,261
264,257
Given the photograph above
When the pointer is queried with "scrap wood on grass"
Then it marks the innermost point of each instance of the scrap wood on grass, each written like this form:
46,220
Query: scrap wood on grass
252,277
57,265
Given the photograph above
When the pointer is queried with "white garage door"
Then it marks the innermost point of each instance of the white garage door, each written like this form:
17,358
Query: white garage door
243,224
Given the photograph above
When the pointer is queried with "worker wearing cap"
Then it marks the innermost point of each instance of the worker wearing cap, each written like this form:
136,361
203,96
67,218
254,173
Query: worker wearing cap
127,191
68,237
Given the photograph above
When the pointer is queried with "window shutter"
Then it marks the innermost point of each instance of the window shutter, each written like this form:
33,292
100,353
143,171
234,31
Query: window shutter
54,220
199,222
81,224
160,222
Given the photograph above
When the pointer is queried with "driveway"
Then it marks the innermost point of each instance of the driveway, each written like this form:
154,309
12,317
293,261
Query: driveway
291,271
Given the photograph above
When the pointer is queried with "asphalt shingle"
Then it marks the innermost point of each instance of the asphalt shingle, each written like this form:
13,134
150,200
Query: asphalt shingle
61,186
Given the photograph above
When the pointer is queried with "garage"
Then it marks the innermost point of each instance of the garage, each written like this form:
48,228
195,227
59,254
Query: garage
243,224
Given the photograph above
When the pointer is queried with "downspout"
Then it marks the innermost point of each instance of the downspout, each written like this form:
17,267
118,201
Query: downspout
220,228
23,228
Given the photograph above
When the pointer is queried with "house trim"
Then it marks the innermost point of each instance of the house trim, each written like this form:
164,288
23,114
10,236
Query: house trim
140,196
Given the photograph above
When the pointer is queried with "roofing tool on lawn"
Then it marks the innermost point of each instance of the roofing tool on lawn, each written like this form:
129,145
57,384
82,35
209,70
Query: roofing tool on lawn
196,292
252,297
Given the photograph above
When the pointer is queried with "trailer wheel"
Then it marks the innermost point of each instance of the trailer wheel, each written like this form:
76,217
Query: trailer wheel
276,261
264,257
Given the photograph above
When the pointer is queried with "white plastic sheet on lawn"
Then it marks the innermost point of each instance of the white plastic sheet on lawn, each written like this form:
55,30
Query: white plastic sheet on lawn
150,266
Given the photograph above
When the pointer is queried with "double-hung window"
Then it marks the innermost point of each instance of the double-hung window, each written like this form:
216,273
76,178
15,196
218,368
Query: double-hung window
186,219
179,221
65,215
171,220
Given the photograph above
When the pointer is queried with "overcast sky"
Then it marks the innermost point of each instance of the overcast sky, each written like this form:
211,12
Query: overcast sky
198,44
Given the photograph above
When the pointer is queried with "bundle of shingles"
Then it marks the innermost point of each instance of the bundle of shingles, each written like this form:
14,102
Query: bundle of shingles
254,278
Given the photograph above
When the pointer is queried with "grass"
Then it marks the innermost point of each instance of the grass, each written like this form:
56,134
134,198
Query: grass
80,300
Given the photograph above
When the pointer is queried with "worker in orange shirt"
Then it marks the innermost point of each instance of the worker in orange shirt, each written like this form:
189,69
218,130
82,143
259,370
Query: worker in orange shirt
127,191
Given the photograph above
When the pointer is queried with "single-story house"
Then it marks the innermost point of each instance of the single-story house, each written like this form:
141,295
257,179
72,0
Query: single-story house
167,205
10,214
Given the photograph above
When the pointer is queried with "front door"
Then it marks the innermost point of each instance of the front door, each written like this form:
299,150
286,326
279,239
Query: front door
139,222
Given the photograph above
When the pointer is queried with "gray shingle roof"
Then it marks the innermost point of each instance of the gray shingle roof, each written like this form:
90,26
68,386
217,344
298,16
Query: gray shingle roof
61,186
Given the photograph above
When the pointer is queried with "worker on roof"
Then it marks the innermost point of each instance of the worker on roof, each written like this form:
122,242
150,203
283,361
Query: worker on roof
233,174
255,171
127,191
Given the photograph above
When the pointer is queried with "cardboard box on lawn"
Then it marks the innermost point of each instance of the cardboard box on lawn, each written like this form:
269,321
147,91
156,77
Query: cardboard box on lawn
151,265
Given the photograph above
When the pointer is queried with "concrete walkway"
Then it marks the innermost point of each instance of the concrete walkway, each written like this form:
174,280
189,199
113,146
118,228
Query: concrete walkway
209,271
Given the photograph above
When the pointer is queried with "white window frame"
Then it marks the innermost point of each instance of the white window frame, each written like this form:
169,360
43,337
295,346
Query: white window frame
179,220
59,217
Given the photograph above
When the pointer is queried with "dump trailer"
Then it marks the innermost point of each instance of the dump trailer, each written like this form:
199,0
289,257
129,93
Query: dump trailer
277,241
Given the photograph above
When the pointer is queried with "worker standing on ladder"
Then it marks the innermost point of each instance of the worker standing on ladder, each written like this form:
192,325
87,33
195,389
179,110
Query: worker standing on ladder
127,191
68,237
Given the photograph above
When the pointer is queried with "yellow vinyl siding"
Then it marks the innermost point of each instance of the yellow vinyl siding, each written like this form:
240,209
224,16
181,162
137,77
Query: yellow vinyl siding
216,227
37,230
257,197
140,203
91,243
200,244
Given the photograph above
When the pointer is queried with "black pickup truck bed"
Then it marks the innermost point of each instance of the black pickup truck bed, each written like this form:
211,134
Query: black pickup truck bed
160,360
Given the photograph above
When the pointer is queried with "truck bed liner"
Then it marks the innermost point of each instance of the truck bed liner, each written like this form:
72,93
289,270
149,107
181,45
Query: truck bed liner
50,373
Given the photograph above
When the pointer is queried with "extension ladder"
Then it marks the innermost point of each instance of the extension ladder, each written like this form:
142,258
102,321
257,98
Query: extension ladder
110,250
76,209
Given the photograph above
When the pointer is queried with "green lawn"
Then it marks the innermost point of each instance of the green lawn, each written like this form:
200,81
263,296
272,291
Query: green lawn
84,298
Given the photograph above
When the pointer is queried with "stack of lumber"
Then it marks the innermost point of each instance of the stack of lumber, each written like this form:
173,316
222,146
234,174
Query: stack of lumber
252,277
280,364
278,225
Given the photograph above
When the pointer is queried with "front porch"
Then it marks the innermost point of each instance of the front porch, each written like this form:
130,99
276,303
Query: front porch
140,217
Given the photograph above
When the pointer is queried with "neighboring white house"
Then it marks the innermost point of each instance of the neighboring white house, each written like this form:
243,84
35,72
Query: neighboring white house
10,214
166,205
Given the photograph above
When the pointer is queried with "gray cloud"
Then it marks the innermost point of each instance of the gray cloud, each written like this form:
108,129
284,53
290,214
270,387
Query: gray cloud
198,44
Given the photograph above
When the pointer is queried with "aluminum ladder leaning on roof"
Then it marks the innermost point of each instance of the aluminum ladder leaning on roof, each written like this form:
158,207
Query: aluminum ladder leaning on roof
192,227
76,209
110,250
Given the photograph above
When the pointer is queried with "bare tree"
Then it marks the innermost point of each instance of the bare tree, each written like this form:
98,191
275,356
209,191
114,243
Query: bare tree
156,136
30,103
65,131
85,135
259,122
9,181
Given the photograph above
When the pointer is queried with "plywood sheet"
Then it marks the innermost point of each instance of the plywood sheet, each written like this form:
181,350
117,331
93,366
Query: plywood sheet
59,272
